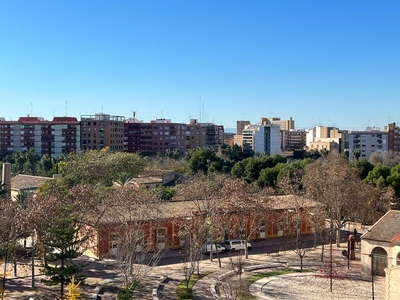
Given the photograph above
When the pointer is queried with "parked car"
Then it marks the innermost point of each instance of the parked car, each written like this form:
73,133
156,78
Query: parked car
236,245
207,247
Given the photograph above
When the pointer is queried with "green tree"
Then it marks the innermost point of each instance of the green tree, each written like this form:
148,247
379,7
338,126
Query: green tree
45,164
394,179
269,176
64,241
201,159
99,167
379,171
238,170
363,167
356,154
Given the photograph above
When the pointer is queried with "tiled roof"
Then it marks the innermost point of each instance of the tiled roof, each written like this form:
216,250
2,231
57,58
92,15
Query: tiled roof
181,208
154,173
386,229
21,182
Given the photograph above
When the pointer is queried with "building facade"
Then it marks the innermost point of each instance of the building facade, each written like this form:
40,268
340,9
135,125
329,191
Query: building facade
56,137
203,135
262,138
293,140
158,136
393,143
368,141
102,130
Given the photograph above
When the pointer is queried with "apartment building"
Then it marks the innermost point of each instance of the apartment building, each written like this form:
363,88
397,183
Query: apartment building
102,130
293,140
56,137
283,124
154,137
322,137
200,135
262,138
368,141
393,138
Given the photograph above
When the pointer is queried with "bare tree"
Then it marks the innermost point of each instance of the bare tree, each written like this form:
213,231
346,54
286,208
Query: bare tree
204,191
134,258
337,187
291,184
132,220
232,286
245,206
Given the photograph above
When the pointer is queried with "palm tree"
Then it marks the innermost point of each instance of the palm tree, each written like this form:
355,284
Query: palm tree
124,178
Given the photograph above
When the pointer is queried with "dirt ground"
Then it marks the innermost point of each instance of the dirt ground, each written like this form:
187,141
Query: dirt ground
20,287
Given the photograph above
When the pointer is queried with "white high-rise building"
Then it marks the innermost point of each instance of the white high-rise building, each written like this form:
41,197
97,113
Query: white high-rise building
263,138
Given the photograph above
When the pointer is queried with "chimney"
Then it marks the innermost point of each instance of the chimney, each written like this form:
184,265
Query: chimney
6,179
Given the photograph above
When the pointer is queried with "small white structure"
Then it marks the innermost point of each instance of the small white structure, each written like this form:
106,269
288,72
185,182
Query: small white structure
380,245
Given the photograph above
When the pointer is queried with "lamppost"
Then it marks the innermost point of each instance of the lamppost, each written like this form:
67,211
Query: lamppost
372,275
287,220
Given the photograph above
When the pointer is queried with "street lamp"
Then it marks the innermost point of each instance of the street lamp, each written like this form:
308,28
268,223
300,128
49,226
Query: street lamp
287,220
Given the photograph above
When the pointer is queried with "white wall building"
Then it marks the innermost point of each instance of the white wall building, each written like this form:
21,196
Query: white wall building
368,141
263,138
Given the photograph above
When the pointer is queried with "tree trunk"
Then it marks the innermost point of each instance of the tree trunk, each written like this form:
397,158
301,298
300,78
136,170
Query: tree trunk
338,237
301,262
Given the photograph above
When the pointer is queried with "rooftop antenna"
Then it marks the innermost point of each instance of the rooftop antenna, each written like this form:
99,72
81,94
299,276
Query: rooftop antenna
200,111
202,107
31,110
66,108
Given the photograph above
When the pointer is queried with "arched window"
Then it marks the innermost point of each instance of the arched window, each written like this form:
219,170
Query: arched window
398,259
379,261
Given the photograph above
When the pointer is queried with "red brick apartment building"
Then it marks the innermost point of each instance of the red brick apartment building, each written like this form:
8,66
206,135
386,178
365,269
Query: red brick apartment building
393,138
158,136
61,135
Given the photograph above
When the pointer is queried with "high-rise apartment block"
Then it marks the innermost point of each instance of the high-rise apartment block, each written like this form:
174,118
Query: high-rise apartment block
200,135
102,130
61,135
393,138
262,138
293,140
155,137
368,141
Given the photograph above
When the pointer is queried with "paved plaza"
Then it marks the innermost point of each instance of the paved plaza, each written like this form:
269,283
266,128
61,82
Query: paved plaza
315,287
346,283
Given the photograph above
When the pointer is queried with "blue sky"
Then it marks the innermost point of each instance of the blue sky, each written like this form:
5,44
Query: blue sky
332,63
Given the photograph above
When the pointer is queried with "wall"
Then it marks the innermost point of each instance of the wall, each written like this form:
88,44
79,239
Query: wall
392,283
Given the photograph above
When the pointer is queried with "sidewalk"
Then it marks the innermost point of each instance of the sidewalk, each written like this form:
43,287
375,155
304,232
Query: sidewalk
202,288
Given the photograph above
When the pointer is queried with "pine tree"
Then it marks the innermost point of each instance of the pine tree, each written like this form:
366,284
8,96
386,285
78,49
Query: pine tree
64,241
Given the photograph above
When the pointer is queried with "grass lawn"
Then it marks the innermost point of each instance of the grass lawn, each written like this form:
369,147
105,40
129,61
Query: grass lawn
184,294
253,278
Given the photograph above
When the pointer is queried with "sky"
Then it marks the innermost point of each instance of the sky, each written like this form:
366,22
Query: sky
329,63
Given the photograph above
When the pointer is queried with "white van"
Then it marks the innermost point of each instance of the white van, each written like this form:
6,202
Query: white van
207,247
236,245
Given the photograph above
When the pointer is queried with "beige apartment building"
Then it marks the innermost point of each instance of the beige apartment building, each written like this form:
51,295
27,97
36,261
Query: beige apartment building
102,130
200,135
322,137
